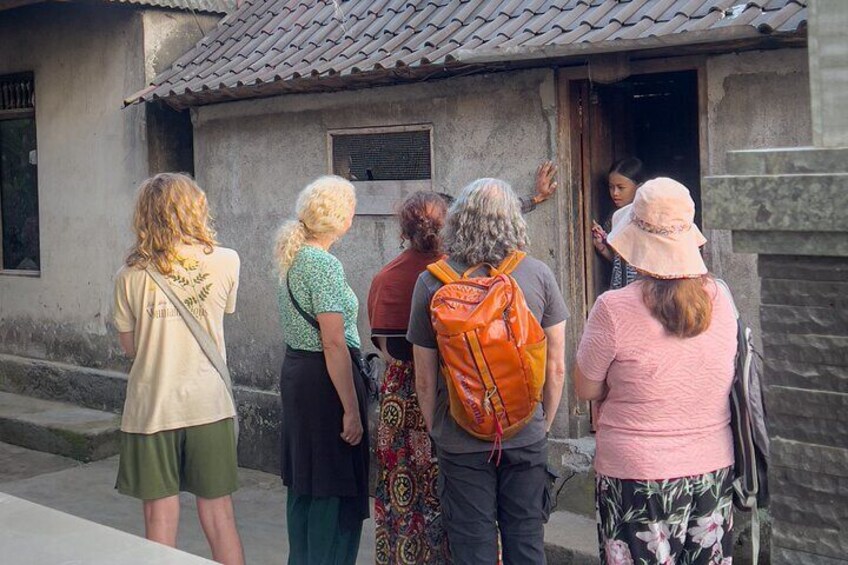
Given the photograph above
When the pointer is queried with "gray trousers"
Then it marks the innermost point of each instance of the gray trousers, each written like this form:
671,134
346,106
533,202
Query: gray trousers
479,498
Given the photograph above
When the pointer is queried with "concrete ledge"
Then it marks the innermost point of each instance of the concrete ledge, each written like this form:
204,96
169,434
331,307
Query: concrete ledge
53,427
571,539
93,388
573,459
830,244
808,202
259,417
30,533
105,390
787,161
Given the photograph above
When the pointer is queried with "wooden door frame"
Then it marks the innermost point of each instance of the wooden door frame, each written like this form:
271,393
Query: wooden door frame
573,205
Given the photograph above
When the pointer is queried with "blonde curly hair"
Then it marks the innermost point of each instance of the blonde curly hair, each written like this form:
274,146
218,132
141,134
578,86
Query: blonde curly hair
170,210
323,207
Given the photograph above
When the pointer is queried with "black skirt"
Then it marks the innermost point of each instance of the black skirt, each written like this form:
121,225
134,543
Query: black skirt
314,459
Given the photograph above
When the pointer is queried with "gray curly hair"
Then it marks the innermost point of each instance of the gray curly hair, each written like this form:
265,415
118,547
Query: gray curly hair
485,224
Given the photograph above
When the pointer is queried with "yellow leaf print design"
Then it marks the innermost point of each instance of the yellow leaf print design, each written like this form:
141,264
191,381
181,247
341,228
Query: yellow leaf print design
193,283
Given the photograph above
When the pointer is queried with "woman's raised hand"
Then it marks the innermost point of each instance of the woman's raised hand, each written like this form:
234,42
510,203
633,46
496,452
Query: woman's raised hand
545,183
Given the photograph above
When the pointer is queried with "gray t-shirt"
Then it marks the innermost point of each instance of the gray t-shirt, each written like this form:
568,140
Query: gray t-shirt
545,301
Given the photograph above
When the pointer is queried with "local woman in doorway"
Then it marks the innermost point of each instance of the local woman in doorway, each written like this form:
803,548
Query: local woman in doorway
624,178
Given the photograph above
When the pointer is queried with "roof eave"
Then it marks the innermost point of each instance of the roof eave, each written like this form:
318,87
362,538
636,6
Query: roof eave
545,52
474,61
6,5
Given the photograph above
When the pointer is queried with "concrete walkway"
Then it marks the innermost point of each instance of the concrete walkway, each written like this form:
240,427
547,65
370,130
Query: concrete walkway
86,491
33,534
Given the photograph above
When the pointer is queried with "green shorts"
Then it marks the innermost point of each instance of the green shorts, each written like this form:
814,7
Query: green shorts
200,460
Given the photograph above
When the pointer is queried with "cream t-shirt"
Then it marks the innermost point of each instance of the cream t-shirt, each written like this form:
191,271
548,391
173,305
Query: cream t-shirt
172,384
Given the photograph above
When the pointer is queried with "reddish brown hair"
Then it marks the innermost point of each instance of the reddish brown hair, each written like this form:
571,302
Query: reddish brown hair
682,306
421,217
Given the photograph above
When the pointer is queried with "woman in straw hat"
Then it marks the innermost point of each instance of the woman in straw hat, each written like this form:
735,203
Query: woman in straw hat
659,356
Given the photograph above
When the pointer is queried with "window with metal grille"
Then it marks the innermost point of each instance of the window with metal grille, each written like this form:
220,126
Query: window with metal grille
386,164
382,156
20,249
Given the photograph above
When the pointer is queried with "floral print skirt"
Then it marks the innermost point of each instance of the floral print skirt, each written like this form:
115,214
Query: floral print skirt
684,521
407,510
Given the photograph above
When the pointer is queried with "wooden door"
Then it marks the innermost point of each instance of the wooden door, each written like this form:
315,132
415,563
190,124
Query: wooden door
589,142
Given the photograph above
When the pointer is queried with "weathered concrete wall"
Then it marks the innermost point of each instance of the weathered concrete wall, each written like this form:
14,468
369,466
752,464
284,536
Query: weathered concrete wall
254,157
755,100
168,34
91,158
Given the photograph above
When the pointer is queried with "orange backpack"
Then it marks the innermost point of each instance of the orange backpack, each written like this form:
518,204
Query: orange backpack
492,349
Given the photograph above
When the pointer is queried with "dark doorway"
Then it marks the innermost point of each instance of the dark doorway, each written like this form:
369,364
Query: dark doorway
653,117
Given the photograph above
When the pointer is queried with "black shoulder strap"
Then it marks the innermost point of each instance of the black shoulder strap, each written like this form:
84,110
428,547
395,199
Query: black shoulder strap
312,321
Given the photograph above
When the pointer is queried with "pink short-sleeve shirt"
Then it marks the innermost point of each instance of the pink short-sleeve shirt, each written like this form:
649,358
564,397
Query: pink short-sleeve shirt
666,414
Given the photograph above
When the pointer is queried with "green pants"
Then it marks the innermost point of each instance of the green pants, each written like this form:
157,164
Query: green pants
319,533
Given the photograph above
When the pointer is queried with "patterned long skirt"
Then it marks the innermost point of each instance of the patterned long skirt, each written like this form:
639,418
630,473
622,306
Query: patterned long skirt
407,510
686,521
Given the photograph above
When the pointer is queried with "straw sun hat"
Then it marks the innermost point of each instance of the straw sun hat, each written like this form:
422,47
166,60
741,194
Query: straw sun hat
656,234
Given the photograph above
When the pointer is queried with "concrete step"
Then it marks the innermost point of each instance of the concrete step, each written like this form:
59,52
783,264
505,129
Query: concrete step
55,427
571,539
572,458
49,380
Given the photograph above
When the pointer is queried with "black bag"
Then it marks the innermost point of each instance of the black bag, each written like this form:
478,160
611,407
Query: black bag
367,367
748,423
369,370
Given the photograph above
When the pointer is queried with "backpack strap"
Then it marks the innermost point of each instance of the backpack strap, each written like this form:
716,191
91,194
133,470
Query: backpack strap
726,289
444,272
509,264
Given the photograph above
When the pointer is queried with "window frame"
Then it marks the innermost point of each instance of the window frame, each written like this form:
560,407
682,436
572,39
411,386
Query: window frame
17,114
371,194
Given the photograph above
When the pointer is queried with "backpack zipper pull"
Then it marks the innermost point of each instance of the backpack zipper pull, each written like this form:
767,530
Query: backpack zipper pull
487,400
506,323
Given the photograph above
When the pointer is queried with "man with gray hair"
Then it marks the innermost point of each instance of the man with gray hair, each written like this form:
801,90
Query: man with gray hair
481,494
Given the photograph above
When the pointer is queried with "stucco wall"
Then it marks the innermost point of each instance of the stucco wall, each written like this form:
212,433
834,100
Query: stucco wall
91,156
253,158
756,100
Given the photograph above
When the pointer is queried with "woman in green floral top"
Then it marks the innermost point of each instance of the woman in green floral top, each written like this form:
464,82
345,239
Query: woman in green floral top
314,269
324,447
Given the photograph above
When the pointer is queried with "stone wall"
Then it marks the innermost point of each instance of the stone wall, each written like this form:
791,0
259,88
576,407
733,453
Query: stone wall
805,335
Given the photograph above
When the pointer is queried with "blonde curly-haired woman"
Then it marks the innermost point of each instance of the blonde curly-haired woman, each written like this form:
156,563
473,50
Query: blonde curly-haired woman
177,425
324,447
